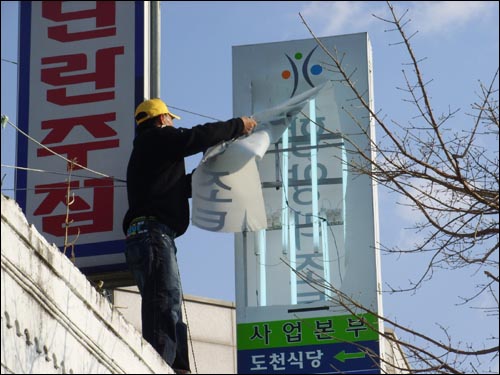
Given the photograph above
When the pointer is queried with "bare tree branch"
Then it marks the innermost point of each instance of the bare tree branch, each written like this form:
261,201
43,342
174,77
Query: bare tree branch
447,171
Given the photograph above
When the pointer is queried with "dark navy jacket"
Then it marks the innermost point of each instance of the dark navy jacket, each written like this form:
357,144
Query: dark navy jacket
157,184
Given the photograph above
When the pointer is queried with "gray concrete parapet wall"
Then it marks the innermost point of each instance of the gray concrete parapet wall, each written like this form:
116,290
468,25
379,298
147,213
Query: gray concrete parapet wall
53,320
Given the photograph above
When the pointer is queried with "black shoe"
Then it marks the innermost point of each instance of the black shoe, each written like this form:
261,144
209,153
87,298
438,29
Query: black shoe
181,371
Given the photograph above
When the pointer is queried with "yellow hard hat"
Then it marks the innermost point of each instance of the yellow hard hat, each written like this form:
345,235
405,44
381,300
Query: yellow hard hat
151,108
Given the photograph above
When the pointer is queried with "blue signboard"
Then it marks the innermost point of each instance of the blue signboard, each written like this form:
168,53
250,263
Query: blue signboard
361,358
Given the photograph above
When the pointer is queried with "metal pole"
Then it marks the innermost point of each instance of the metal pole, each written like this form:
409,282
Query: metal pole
284,186
261,257
293,260
155,49
246,302
326,257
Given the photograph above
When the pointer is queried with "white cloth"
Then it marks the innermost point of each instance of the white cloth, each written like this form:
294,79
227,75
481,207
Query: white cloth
227,192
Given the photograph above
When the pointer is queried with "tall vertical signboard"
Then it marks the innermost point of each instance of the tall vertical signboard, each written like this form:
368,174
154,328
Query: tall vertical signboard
82,73
322,228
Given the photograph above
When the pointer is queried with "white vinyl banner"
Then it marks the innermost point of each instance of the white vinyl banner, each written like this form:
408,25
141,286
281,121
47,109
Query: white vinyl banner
227,193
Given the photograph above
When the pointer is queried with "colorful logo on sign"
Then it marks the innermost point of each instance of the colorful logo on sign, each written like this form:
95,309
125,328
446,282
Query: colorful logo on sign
314,70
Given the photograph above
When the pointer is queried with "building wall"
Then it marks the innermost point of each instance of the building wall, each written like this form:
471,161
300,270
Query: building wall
52,319
394,355
211,325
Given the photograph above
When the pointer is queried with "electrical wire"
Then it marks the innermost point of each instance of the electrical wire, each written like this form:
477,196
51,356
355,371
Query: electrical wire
186,319
74,163
60,156
100,174
10,61
194,113
51,172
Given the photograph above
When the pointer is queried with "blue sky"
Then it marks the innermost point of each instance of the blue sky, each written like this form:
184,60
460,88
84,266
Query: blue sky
459,41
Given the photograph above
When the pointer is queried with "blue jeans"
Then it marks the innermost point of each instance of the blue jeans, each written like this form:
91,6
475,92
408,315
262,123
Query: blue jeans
151,257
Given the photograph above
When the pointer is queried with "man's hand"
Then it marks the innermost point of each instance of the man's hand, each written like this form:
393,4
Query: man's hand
248,124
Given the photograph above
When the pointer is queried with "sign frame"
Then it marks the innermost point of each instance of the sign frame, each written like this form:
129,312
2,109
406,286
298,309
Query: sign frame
263,76
83,67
